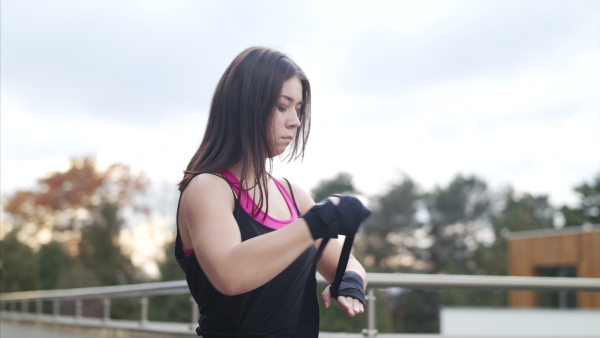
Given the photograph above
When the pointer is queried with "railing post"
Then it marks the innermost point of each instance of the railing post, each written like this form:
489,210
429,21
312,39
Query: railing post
105,310
56,307
371,315
13,306
24,305
143,310
78,309
38,307
194,316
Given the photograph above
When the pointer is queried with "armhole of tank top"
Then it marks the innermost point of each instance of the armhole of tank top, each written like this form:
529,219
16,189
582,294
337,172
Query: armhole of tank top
178,243
293,197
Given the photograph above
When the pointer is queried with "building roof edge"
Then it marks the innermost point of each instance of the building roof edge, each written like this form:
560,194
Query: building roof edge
552,232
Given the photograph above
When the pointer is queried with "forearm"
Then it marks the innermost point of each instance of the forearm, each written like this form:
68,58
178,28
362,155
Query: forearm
331,257
253,262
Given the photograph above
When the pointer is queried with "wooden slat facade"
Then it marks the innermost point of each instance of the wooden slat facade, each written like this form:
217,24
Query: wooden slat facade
580,249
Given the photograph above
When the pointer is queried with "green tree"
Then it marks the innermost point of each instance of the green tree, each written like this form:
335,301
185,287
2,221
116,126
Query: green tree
441,239
515,213
53,263
169,268
455,214
387,235
99,248
512,213
81,208
588,210
170,308
18,266
340,184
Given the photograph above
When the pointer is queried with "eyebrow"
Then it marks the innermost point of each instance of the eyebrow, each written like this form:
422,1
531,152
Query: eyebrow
290,99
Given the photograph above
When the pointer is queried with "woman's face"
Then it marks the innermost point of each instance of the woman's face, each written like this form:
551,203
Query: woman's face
285,115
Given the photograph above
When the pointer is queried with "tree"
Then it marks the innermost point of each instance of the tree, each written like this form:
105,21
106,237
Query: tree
511,213
99,248
60,203
456,213
80,210
53,263
340,184
517,213
18,266
386,237
171,308
588,210
442,239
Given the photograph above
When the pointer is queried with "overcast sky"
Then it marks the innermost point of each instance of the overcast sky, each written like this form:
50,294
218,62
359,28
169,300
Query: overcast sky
506,90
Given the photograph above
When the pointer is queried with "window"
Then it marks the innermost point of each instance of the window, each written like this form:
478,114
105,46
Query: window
557,299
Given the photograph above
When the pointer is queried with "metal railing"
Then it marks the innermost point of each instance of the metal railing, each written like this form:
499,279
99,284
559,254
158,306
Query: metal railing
9,301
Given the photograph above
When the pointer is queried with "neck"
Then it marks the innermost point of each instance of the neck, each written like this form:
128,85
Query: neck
236,170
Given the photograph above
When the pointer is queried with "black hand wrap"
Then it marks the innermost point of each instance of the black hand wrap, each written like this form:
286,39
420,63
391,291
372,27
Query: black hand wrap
327,220
351,214
351,286
322,220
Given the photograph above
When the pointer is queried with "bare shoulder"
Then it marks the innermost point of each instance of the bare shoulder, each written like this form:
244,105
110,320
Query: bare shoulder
303,199
207,189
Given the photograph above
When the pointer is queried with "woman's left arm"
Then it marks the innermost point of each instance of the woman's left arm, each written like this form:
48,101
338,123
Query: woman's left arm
329,261
327,266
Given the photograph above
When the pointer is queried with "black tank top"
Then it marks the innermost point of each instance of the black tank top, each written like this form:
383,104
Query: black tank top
286,306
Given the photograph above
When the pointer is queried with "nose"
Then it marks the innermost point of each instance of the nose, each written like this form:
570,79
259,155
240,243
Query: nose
294,121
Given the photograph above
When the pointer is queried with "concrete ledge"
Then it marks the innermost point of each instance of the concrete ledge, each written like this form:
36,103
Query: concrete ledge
95,327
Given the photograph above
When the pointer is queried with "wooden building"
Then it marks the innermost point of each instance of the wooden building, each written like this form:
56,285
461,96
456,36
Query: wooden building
567,252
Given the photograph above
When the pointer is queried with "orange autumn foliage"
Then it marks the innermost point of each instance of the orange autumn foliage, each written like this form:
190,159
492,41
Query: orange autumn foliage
62,201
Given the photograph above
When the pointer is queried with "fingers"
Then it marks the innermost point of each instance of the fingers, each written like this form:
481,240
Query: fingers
351,305
326,296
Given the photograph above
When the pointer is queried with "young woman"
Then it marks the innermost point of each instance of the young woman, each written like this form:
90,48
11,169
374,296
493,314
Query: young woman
247,241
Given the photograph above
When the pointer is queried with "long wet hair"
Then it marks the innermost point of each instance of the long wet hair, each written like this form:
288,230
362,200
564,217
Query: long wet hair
241,111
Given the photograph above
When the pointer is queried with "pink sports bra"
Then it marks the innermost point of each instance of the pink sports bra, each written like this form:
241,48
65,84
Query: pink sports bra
248,204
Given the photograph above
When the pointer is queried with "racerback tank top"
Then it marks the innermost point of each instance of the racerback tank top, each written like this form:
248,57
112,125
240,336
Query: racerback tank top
286,306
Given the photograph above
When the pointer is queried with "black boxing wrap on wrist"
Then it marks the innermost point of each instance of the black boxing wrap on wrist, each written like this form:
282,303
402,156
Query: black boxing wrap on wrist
322,220
351,286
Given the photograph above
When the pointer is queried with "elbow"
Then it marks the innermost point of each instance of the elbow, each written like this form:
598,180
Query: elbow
229,286
230,290
226,279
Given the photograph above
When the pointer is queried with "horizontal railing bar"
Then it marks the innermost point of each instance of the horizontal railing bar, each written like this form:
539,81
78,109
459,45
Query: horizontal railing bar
130,290
423,281
376,280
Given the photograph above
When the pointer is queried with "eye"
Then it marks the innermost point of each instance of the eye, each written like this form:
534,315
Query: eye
282,109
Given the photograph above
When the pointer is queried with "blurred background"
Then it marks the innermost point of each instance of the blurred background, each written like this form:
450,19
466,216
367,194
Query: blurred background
459,122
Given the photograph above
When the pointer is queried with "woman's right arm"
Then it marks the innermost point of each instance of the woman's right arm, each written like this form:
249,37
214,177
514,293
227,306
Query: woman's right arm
232,266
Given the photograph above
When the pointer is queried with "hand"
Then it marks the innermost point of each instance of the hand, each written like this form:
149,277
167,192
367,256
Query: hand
352,213
335,215
351,305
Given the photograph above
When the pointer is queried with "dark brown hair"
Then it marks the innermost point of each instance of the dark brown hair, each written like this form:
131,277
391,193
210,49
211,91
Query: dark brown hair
240,115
